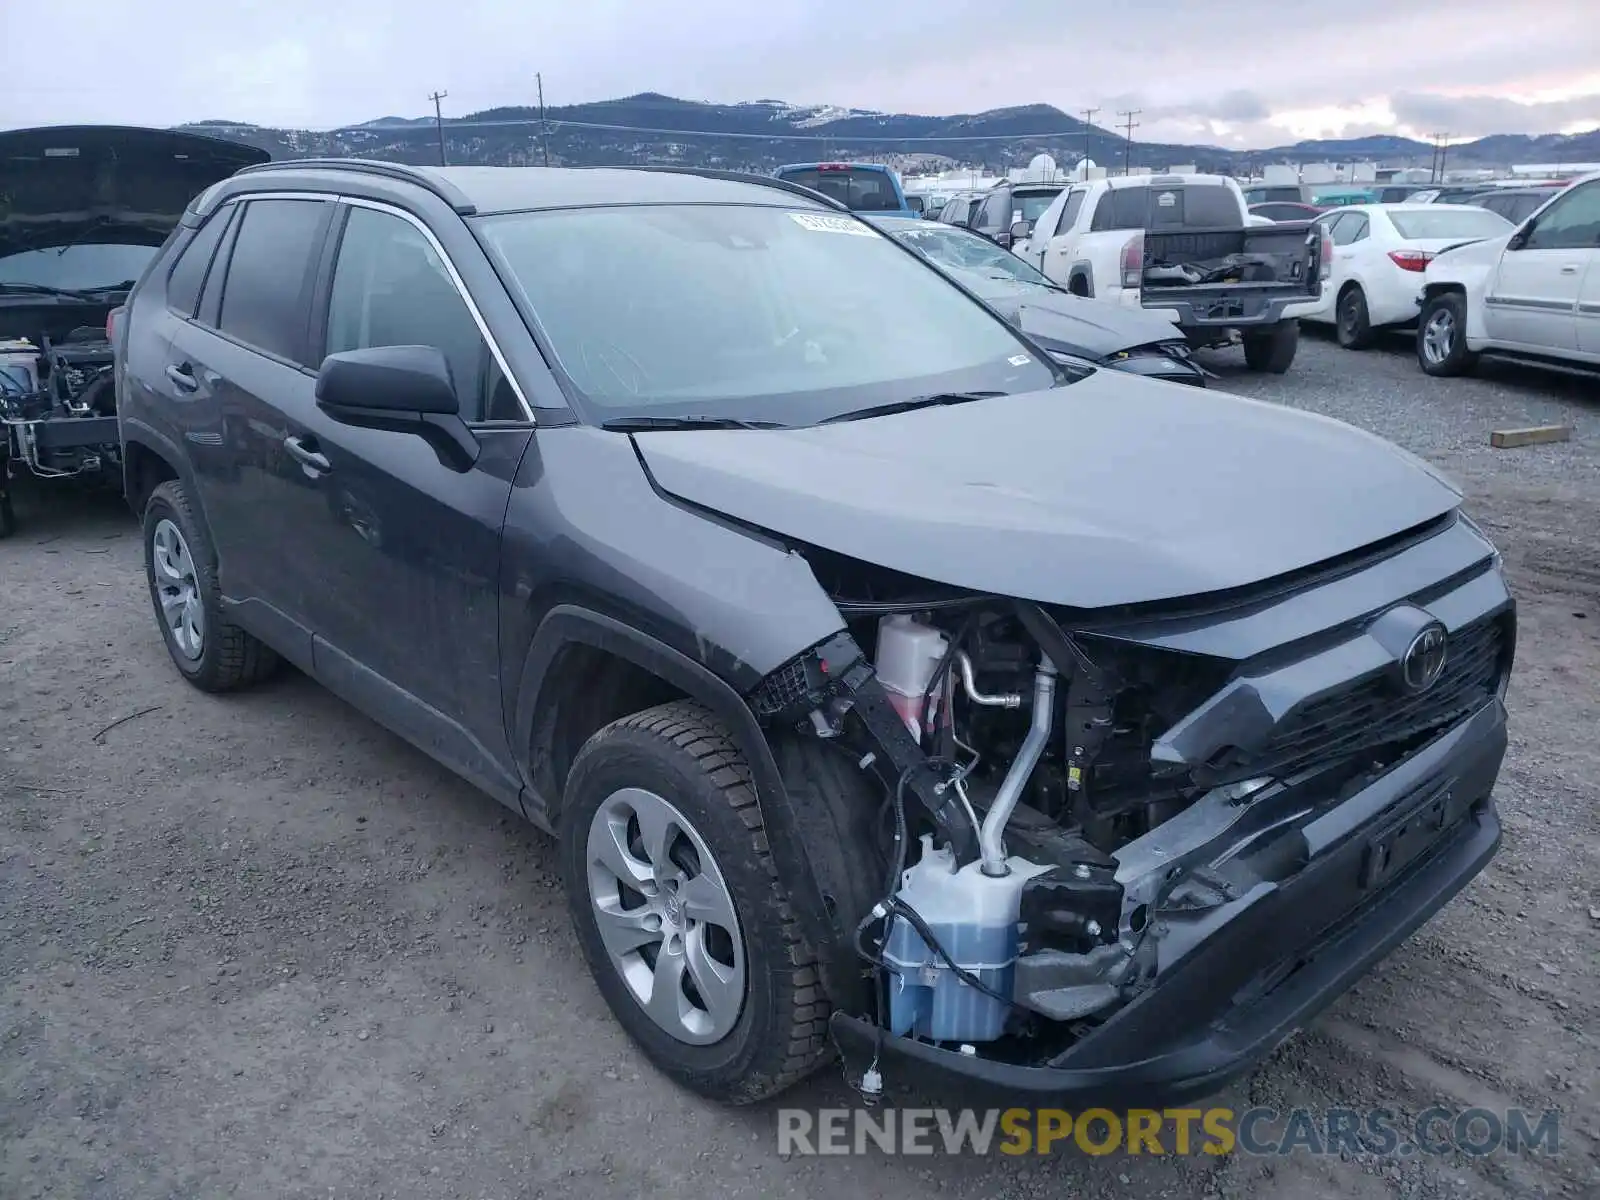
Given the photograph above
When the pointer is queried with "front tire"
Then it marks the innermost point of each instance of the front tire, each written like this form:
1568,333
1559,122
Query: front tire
679,911
1272,350
1442,336
181,567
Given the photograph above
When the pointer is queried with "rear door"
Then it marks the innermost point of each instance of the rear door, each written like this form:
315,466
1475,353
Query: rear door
406,615
1532,300
244,358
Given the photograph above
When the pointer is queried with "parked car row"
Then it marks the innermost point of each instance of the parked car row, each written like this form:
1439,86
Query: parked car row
1509,271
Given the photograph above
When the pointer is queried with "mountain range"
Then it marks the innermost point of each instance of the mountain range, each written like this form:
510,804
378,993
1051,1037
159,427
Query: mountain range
762,134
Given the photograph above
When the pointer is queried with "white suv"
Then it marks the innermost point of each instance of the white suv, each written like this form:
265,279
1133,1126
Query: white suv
1533,293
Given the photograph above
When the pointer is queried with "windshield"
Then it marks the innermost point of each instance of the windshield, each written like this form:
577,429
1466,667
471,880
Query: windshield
752,313
858,189
77,267
1033,205
1449,221
980,263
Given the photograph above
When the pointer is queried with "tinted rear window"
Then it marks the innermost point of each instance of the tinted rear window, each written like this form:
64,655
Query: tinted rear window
265,297
183,285
863,191
1273,195
1183,206
1449,221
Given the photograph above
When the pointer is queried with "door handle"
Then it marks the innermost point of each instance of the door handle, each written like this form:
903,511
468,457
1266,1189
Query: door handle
313,460
1570,269
182,377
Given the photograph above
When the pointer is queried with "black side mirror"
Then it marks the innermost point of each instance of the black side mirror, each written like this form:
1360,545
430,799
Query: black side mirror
1519,239
401,389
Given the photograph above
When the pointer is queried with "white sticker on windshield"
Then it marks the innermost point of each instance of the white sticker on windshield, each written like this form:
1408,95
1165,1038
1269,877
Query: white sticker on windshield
1019,360
819,223
1167,199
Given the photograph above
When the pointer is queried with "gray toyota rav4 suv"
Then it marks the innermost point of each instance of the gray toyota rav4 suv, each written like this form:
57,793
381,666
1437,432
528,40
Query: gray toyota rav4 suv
894,689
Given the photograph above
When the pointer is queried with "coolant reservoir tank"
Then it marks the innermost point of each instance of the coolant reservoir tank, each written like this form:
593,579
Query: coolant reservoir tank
908,654
973,916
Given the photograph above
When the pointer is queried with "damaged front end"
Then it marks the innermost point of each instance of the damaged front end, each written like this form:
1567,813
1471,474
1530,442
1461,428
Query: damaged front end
1127,850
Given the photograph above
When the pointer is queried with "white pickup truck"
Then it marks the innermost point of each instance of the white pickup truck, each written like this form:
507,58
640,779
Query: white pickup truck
1184,246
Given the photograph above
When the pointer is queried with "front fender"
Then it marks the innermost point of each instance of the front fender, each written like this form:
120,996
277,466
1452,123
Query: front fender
566,625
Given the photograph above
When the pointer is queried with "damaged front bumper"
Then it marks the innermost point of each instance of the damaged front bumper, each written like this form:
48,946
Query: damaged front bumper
1342,884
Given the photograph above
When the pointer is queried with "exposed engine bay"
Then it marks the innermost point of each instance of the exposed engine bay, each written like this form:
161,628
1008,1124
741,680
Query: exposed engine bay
58,402
1057,800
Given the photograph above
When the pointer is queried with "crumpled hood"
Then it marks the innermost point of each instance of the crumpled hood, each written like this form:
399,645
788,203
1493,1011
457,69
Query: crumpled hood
1099,327
105,183
1113,490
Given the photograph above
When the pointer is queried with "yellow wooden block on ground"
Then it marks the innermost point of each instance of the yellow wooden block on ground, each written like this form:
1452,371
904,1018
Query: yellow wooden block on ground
1536,435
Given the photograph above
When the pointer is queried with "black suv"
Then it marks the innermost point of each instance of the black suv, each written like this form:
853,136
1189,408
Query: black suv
891,687
1007,204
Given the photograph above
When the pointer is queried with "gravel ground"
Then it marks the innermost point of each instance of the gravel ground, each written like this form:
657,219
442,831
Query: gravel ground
256,946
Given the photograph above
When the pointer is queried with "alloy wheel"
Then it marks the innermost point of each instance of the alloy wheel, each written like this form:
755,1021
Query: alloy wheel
666,916
1438,336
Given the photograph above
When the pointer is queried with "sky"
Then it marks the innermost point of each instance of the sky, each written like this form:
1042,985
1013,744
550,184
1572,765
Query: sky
1248,73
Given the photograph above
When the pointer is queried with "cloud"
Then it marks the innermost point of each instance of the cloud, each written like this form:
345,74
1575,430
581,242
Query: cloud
1200,76
1478,116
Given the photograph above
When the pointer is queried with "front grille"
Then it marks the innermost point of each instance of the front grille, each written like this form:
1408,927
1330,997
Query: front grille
1372,713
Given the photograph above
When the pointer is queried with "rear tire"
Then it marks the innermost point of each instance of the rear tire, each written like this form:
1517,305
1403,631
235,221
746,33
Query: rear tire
1272,350
1441,336
181,567
1352,323
675,770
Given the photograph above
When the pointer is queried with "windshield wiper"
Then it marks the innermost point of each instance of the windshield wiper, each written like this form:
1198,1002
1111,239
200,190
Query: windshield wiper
899,406
43,289
641,424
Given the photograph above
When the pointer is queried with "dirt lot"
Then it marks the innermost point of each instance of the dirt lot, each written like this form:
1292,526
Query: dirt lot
258,947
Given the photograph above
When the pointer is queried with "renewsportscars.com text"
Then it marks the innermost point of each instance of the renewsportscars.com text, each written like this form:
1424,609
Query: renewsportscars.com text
1171,1131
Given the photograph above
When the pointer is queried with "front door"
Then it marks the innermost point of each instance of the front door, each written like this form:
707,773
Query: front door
406,616
1532,299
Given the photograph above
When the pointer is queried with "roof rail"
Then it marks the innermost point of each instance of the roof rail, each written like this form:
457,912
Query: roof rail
771,181
450,194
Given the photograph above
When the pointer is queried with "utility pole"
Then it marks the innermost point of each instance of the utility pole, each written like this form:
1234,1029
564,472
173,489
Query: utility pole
1088,130
438,121
1129,125
544,137
1444,149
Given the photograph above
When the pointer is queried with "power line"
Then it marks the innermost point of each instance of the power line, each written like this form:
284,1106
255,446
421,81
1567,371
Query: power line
557,123
1129,125
438,121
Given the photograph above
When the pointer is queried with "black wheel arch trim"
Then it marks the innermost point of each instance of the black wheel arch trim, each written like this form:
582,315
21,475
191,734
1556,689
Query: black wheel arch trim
138,433
569,624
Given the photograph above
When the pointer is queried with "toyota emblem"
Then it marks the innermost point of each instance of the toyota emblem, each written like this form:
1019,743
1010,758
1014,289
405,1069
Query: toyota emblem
1423,661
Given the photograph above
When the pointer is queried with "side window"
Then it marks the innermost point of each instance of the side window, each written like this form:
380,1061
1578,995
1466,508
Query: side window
391,289
267,293
1571,223
1355,229
1069,214
189,271
1330,227
992,218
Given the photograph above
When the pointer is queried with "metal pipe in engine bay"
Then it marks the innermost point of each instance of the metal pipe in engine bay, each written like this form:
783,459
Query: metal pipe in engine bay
991,847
